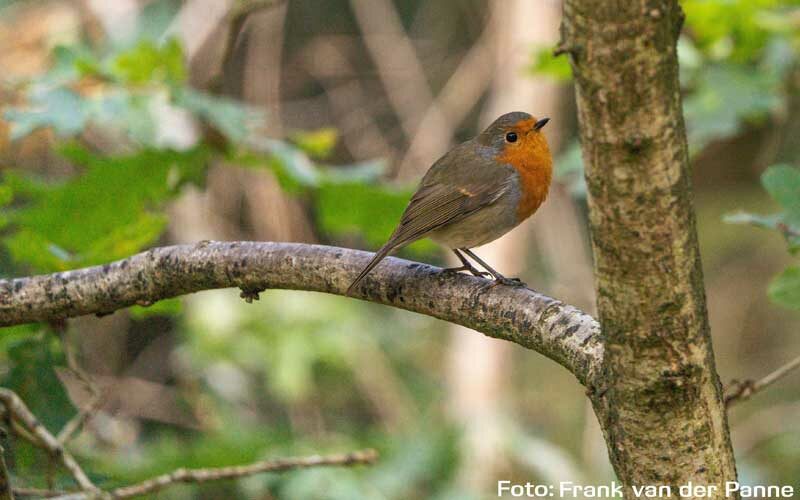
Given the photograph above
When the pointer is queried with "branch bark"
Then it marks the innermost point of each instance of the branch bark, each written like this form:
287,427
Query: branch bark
530,319
660,400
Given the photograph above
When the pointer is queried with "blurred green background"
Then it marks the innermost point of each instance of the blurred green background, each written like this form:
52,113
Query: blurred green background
131,124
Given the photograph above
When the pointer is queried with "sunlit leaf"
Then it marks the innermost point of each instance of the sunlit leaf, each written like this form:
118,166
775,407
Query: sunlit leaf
148,62
292,167
316,143
785,288
546,64
167,307
108,212
37,251
359,209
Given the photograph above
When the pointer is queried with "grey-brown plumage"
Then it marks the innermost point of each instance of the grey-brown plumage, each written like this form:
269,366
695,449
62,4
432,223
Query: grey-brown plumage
470,196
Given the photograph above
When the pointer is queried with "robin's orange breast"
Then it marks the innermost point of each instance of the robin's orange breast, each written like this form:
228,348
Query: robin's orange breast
531,158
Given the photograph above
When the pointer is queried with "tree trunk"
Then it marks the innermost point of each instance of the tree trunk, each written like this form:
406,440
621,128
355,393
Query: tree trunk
659,398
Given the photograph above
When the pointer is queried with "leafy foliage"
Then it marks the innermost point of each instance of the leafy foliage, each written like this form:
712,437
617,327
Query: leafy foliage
116,202
782,182
733,60
785,288
119,198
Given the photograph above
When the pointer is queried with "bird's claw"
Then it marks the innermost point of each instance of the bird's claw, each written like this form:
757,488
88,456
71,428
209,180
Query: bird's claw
470,269
502,280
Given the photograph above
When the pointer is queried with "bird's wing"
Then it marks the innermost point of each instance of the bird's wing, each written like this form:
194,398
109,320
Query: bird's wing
437,204
444,197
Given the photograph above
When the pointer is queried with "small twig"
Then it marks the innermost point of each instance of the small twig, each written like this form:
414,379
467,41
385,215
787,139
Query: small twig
38,492
6,492
399,69
21,413
222,473
237,16
564,47
76,422
788,232
740,391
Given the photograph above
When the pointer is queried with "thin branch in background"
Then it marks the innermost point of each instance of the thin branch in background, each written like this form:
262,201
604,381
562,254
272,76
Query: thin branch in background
399,68
325,58
216,474
237,16
37,492
361,457
76,422
6,492
460,94
19,412
740,391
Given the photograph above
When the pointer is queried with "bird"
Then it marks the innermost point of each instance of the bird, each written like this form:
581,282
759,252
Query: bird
477,192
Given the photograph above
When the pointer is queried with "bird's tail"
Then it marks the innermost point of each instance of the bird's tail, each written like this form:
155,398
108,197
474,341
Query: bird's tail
379,256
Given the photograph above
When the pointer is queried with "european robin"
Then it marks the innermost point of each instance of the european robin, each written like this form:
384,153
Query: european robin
477,192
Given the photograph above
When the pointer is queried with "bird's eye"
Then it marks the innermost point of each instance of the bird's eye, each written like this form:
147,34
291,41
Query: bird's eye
511,137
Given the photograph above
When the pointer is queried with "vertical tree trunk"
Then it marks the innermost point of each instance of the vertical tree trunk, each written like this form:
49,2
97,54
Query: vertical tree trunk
660,401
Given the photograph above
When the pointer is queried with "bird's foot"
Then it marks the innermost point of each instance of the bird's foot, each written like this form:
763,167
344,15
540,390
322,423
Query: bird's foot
502,280
470,269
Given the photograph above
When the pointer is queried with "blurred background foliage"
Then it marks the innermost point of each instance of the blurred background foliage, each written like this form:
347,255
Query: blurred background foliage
130,124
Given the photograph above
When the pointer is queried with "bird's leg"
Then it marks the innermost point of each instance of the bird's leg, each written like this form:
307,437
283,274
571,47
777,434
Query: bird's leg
466,266
499,279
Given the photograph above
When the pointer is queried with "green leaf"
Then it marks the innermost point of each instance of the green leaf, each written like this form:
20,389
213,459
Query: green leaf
108,212
347,209
6,195
59,108
316,143
730,28
148,62
365,172
35,250
785,288
724,96
126,239
234,119
547,64
167,307
292,167
782,182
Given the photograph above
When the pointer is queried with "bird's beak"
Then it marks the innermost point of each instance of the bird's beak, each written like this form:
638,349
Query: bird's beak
541,123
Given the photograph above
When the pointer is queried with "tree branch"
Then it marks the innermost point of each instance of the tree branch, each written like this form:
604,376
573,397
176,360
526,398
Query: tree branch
741,391
222,473
6,492
19,412
530,319
660,405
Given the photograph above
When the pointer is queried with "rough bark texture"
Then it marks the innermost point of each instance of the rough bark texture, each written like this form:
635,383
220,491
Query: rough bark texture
660,401
557,330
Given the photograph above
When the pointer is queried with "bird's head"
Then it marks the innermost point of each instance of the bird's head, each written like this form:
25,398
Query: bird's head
517,138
